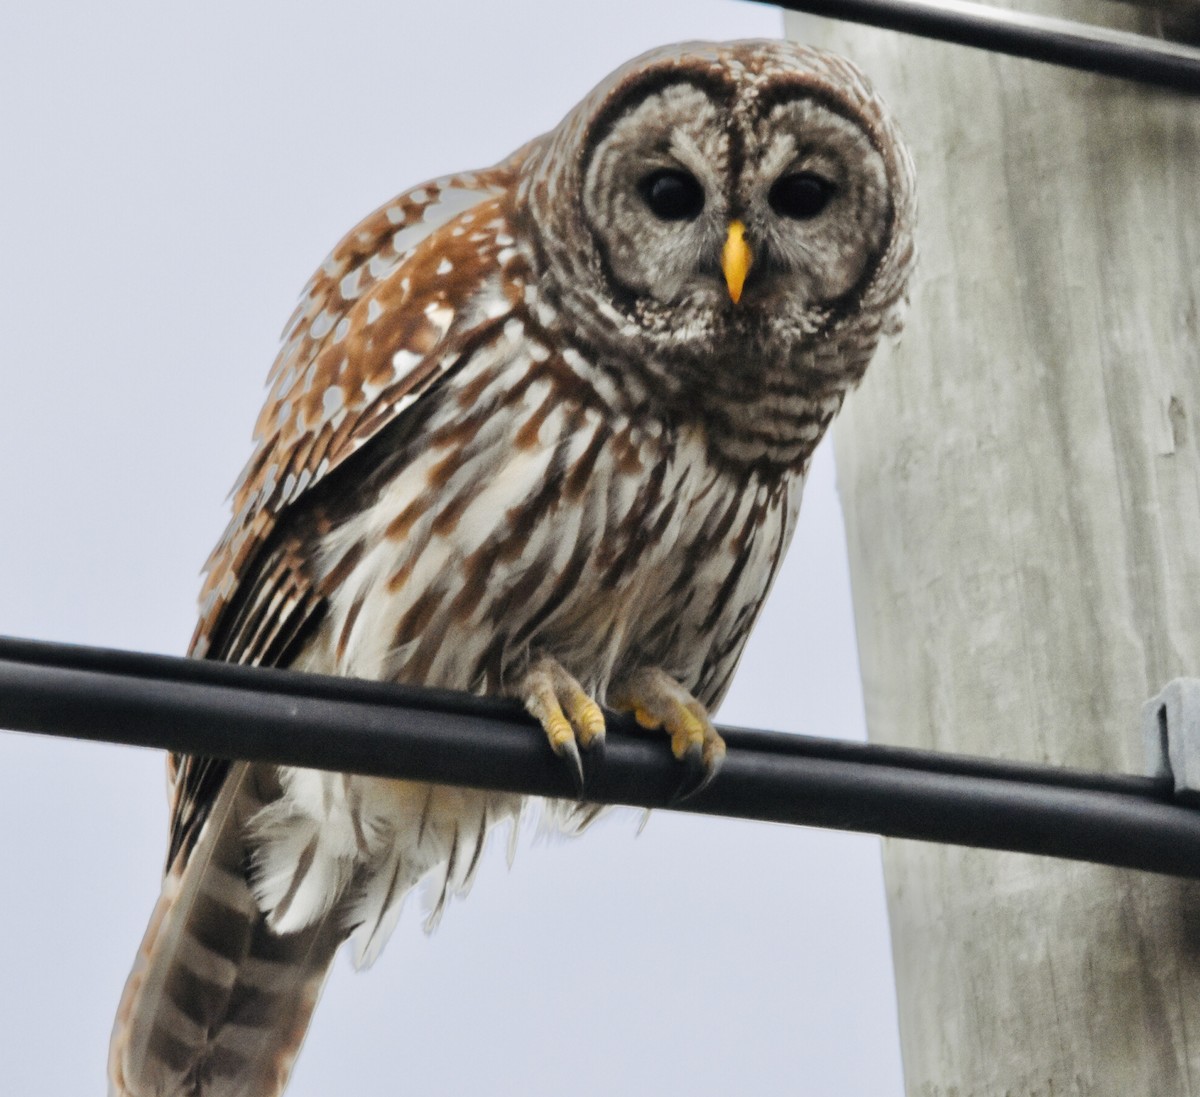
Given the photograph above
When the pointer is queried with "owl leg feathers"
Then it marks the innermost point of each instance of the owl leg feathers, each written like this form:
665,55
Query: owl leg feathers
570,718
658,701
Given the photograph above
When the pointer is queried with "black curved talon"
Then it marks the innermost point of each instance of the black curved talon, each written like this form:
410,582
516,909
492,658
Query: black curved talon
698,774
591,758
569,753
593,755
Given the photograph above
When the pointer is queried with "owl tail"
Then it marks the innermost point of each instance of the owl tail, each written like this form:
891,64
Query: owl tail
217,1004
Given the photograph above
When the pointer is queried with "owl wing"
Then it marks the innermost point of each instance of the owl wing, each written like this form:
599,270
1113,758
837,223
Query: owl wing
387,314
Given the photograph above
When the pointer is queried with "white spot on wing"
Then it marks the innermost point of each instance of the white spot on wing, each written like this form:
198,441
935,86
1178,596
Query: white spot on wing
439,315
450,203
322,325
349,286
444,267
380,267
374,311
288,379
405,360
332,400
408,238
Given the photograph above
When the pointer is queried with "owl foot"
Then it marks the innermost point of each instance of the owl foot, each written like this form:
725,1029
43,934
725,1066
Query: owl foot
569,717
658,701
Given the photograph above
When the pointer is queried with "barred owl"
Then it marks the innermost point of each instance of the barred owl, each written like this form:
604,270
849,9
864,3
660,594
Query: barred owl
541,431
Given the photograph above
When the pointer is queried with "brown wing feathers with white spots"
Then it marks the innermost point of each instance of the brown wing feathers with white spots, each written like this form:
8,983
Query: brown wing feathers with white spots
368,338
355,354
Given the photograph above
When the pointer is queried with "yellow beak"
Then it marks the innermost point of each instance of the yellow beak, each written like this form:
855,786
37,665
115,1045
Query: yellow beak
736,258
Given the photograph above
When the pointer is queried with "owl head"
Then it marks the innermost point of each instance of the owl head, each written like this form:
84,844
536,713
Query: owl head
740,208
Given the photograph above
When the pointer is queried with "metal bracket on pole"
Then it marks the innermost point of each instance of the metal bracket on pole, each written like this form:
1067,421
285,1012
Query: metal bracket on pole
1171,736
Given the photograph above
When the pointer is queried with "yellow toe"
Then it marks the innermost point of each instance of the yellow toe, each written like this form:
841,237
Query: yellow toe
558,730
687,732
589,720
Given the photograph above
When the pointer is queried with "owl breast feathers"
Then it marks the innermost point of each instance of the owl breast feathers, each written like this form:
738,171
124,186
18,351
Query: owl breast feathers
538,430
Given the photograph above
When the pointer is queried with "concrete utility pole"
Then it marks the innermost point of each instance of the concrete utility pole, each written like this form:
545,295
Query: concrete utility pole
1021,484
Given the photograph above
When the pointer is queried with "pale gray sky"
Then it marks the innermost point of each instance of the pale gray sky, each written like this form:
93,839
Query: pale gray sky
169,178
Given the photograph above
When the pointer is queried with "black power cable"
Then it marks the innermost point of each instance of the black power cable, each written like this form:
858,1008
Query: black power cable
1039,38
375,728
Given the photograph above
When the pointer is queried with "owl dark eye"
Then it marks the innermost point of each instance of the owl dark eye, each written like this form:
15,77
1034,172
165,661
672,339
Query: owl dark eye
801,196
673,195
